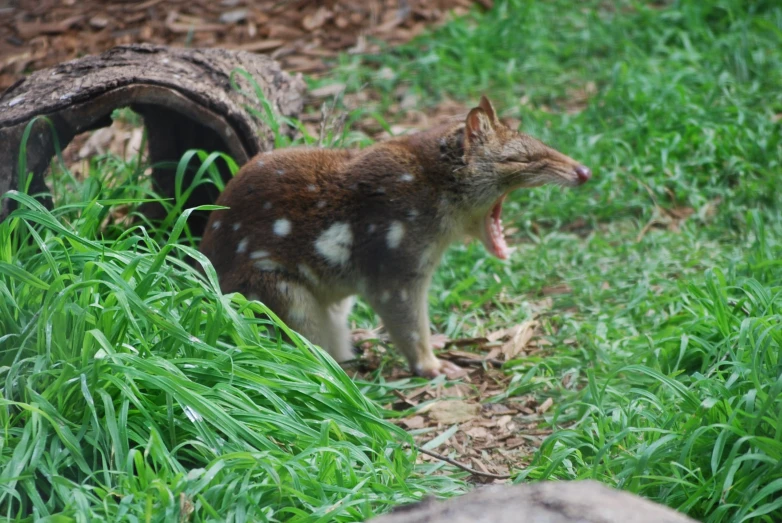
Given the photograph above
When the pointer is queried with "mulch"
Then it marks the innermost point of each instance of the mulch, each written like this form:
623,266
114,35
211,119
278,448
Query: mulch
301,34
471,421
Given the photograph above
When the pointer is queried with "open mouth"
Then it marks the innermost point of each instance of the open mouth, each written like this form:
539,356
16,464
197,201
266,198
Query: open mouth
492,235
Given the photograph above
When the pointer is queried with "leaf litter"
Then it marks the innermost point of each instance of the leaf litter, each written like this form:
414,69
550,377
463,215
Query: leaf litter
469,422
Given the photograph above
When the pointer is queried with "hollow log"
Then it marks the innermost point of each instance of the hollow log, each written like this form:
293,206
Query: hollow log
545,502
185,97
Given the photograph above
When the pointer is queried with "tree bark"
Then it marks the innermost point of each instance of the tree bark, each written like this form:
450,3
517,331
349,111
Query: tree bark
185,97
546,502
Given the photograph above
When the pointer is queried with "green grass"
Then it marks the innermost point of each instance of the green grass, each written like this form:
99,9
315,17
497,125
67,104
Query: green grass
673,388
132,389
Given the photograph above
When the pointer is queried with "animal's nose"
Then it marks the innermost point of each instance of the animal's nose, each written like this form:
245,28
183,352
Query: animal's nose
583,173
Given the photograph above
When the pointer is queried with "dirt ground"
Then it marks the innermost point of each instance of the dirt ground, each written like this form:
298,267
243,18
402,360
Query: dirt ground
490,438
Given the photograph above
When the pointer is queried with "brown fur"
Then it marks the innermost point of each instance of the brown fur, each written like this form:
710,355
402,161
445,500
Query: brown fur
373,222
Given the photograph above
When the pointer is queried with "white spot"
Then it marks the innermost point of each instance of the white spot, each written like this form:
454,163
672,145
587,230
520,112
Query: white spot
267,265
242,245
215,225
280,172
256,255
412,214
395,233
16,101
403,294
415,336
261,163
381,190
236,226
407,177
308,273
372,228
334,243
267,205
282,227
321,204
282,287
312,188
443,143
385,296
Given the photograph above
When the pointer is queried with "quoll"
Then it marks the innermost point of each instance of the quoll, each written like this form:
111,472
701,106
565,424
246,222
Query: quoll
307,229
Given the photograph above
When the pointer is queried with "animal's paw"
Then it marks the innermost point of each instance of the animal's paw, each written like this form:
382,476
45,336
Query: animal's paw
451,370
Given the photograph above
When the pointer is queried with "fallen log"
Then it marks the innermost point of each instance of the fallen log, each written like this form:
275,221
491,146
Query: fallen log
545,502
185,97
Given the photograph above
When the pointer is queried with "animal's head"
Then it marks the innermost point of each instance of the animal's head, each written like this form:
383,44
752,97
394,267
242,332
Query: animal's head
497,160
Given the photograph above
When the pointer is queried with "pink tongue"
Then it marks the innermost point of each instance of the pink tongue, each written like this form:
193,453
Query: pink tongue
493,225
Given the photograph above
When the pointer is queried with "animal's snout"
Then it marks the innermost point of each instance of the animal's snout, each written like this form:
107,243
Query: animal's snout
583,173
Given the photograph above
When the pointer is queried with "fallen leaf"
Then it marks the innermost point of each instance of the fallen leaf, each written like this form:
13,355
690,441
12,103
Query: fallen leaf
503,421
453,411
519,339
416,422
316,20
546,405
514,443
478,433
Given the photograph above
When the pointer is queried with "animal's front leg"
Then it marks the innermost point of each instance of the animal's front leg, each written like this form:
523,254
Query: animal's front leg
404,310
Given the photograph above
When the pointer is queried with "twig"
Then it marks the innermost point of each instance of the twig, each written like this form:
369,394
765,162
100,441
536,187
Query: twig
654,221
461,466
477,362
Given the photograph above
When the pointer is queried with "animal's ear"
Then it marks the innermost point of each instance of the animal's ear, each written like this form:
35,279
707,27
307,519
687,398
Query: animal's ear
478,127
486,105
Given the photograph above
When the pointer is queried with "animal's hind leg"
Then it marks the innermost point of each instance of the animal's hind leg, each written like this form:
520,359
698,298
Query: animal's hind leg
336,334
321,324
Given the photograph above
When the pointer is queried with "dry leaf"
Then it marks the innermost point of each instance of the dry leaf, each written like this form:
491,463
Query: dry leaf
546,405
416,422
478,433
316,20
519,339
453,411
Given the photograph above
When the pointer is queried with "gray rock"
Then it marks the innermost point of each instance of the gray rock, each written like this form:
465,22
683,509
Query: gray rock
545,502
